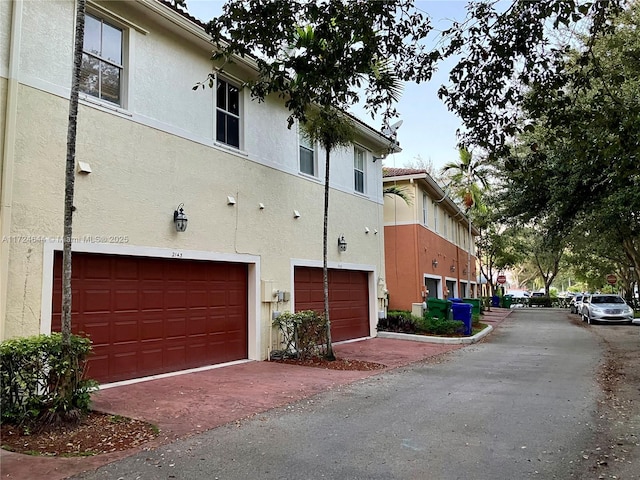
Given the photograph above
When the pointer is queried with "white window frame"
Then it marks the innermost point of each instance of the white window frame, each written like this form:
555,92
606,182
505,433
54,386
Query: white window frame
226,112
359,154
304,143
105,18
425,209
435,217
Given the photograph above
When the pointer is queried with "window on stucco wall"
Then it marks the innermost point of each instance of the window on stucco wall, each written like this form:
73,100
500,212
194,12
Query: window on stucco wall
102,68
435,217
227,113
425,209
358,169
307,154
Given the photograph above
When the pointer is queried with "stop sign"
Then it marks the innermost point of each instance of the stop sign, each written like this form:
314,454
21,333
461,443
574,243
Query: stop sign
501,279
612,279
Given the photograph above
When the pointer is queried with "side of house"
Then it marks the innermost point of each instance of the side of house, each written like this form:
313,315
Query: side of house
153,299
429,246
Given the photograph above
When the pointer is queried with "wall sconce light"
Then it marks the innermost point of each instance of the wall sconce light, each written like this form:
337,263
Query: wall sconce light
434,263
296,214
231,200
452,268
180,218
342,244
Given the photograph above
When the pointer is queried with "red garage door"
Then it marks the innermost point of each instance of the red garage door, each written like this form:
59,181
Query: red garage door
147,316
348,299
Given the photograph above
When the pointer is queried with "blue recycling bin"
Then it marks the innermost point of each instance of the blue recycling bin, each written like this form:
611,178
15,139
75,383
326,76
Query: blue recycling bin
495,301
455,300
462,312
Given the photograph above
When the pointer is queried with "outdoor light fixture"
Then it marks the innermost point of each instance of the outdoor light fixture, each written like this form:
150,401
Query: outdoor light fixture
342,244
434,263
180,218
452,268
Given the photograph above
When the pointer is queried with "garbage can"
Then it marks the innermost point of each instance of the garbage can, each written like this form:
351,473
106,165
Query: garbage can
506,301
495,301
438,308
475,303
455,300
462,312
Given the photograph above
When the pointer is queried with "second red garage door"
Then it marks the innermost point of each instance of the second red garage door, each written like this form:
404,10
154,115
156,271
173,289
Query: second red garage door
348,299
147,316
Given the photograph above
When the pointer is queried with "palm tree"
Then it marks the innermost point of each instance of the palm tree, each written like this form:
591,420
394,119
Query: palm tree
464,176
394,190
70,174
330,129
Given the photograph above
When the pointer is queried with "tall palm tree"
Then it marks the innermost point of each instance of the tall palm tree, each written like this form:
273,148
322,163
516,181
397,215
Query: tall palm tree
468,177
465,175
331,129
70,173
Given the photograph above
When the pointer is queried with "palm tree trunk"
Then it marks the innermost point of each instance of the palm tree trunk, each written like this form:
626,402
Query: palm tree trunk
70,174
325,269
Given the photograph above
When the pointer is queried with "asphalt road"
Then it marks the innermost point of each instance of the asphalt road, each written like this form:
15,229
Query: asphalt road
521,404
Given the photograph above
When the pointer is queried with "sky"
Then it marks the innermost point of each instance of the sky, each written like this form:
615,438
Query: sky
428,129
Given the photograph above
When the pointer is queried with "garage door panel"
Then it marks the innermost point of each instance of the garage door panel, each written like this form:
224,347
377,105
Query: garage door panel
348,299
176,328
125,331
145,315
125,299
95,300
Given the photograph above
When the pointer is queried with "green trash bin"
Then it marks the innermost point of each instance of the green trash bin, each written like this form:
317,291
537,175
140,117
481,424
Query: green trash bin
475,302
506,301
438,308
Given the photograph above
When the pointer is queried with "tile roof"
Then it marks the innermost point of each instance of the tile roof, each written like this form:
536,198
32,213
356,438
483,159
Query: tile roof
399,172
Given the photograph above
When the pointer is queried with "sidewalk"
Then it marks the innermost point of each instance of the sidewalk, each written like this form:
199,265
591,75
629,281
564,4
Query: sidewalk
184,405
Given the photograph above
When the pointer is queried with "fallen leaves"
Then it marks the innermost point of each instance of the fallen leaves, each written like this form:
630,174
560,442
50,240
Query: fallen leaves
97,433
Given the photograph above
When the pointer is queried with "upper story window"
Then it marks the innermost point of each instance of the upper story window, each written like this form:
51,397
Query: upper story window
446,226
228,113
307,155
425,208
435,216
102,69
358,169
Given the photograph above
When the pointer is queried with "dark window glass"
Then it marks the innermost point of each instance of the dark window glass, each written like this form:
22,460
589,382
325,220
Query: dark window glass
306,161
228,114
233,131
101,69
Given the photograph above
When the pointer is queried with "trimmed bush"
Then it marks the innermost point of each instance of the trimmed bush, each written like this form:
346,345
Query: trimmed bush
399,321
540,302
40,384
304,334
440,326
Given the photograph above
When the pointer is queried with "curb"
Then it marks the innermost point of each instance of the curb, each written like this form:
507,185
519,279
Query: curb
430,339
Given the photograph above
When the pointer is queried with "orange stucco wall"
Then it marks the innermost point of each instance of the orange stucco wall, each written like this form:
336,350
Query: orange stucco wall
409,254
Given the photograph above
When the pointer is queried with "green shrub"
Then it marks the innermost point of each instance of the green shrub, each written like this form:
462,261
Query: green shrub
400,321
540,302
40,384
304,334
440,326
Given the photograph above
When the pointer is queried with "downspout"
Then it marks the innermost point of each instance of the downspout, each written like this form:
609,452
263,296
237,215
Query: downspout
8,157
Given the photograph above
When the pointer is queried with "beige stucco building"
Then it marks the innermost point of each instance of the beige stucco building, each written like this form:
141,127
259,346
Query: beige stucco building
153,299
429,242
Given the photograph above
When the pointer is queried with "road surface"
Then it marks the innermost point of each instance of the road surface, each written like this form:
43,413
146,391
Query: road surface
525,403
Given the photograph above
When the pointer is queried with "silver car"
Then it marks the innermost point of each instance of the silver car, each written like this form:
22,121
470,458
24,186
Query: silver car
575,304
605,308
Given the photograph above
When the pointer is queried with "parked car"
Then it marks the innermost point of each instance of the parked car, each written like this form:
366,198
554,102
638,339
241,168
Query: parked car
606,308
575,305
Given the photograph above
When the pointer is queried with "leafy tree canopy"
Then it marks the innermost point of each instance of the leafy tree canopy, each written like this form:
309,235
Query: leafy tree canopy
326,52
